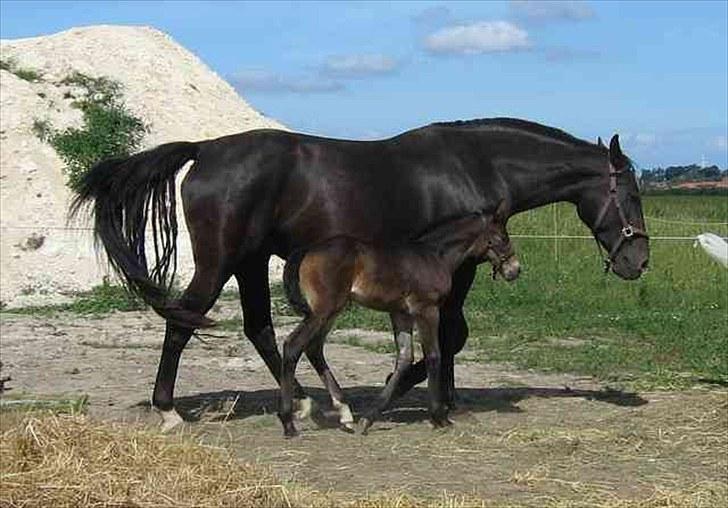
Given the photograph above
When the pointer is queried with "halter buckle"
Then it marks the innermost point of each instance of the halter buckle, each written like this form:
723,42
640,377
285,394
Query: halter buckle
628,231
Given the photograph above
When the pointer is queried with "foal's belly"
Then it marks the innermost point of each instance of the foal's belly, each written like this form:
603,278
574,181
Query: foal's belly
401,287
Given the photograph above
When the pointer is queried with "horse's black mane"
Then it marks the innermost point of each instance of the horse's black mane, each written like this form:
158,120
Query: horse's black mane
517,124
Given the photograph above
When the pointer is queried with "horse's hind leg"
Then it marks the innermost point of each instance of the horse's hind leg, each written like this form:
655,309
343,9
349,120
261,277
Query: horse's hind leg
315,354
199,296
402,328
252,278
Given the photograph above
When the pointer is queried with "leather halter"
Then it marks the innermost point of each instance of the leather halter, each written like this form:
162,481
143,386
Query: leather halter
628,231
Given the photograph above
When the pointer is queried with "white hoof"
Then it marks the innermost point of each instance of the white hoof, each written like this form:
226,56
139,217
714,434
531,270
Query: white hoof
304,408
170,419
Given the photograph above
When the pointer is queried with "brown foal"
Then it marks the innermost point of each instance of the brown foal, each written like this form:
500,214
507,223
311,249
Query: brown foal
409,281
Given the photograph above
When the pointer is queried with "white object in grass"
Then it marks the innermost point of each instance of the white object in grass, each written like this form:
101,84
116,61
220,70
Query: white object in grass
715,246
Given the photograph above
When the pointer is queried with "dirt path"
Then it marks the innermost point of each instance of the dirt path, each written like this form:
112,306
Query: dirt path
520,437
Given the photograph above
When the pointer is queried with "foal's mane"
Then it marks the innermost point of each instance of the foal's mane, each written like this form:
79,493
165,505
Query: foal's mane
447,231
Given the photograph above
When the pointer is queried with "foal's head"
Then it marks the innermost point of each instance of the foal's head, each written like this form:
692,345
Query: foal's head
497,247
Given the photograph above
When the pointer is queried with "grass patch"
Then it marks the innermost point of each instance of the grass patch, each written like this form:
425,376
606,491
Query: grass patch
24,402
100,300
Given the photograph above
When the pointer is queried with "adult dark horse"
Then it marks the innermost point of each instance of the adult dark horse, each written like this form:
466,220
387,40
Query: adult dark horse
266,192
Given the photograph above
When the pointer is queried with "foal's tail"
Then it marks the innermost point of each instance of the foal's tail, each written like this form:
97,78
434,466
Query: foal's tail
124,193
291,282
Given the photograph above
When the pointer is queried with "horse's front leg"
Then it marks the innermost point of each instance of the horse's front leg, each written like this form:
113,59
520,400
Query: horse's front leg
402,328
427,324
252,278
452,333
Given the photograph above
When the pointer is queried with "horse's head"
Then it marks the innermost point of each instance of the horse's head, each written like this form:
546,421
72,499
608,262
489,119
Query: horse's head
498,247
613,211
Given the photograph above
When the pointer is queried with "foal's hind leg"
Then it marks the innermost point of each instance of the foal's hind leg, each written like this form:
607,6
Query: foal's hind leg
254,290
315,354
402,328
199,296
299,340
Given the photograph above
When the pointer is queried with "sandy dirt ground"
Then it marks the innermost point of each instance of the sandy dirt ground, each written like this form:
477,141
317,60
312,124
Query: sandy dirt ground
519,437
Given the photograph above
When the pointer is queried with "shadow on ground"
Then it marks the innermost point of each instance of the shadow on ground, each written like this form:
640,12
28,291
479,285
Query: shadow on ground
234,405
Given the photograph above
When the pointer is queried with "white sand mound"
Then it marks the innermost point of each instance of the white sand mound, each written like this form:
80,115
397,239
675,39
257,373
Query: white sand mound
168,87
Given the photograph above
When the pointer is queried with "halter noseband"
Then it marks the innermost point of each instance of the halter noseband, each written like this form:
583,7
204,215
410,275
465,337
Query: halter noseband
628,232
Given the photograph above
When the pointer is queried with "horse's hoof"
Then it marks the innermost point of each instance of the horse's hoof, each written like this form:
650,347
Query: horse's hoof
170,420
348,428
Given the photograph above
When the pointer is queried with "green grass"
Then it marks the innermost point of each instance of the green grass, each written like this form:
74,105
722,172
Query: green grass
24,402
668,329
100,300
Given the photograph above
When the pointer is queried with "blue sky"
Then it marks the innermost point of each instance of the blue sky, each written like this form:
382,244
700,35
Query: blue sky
656,72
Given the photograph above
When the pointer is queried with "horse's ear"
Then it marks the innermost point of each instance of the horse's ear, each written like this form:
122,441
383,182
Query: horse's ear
600,143
615,152
614,149
502,212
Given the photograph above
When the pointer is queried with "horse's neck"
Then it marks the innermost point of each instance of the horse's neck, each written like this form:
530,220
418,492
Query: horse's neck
529,179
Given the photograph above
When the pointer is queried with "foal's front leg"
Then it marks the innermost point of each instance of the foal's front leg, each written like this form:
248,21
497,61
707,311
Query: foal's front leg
402,328
427,324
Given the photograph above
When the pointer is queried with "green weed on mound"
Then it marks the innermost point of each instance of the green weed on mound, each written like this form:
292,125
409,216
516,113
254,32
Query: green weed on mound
109,128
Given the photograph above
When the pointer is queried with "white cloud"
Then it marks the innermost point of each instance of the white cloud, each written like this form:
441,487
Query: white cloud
477,38
357,66
253,80
542,10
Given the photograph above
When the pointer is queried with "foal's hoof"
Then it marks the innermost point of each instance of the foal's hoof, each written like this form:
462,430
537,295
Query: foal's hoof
289,432
364,425
348,428
441,423
303,408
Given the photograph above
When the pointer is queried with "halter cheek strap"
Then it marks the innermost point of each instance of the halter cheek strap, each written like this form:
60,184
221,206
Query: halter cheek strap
628,231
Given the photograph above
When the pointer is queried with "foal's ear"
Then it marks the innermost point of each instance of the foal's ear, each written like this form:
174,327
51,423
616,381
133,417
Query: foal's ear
600,143
502,212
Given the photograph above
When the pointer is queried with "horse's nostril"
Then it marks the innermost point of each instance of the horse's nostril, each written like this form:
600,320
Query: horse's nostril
645,265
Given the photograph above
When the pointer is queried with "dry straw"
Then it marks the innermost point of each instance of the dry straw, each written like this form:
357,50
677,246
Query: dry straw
72,461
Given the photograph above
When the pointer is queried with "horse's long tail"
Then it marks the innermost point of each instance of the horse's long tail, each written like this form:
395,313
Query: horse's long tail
125,193
291,282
